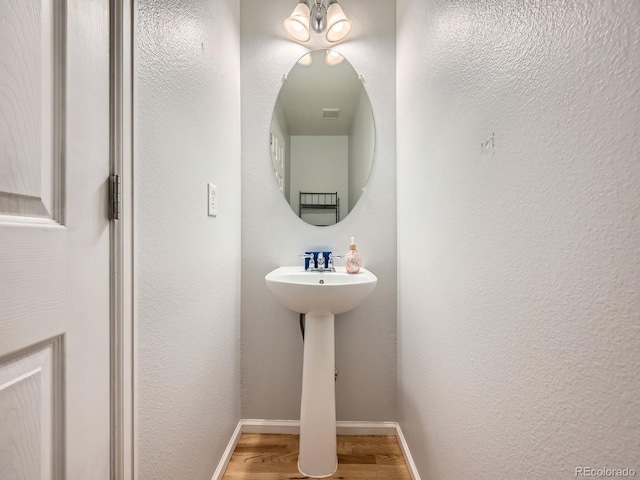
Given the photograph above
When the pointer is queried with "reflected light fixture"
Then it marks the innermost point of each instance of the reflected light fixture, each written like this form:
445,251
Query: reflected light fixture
306,60
315,15
332,58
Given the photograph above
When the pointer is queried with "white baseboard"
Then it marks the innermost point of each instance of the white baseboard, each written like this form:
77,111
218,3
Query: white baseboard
292,427
366,428
279,427
228,452
407,454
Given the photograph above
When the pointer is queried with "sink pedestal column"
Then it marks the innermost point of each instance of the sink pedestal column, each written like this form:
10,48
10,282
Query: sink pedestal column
318,456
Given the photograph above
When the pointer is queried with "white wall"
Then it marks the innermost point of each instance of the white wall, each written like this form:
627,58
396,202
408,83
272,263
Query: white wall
519,286
319,164
273,235
187,264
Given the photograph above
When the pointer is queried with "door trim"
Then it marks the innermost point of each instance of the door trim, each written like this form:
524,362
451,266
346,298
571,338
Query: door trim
123,438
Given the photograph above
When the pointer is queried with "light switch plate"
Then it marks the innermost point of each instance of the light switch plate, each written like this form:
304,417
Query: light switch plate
212,191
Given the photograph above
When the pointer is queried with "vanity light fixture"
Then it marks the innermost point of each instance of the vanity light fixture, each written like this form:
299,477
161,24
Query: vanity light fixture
315,15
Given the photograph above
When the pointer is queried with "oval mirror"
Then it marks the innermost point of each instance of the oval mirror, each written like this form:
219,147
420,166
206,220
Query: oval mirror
322,138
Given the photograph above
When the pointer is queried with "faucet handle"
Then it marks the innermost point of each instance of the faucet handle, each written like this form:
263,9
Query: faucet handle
331,257
309,260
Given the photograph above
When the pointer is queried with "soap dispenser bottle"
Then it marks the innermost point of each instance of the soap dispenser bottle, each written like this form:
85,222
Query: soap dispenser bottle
352,260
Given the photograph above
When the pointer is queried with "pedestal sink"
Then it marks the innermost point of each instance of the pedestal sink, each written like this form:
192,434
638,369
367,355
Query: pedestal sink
321,296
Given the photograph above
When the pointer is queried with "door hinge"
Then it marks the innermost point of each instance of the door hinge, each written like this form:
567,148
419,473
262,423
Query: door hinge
114,197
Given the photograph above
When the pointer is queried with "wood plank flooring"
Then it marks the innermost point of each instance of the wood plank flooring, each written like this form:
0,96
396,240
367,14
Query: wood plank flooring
275,457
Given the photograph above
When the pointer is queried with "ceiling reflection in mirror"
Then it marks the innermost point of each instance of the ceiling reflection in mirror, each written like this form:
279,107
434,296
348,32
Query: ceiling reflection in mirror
322,138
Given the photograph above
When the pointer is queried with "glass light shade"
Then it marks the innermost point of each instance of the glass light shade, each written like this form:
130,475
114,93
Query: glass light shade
332,58
338,25
297,25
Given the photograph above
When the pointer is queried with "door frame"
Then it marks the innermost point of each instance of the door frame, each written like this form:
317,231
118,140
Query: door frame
122,14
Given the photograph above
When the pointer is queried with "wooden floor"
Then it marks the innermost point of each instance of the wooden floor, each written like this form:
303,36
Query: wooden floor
275,457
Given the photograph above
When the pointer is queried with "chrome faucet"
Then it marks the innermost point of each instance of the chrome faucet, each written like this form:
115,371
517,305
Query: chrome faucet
331,267
317,261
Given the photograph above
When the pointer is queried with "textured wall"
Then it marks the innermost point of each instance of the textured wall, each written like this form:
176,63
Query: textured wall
187,264
272,235
519,262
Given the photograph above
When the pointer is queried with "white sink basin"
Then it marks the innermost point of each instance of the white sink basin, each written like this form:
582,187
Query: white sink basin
319,295
320,292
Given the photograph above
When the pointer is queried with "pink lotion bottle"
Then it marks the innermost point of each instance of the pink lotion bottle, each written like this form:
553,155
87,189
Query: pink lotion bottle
352,260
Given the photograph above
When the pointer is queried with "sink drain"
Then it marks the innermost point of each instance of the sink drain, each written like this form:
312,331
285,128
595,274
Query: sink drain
321,282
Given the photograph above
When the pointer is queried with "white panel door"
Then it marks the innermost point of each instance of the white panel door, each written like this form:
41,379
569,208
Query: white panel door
54,240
